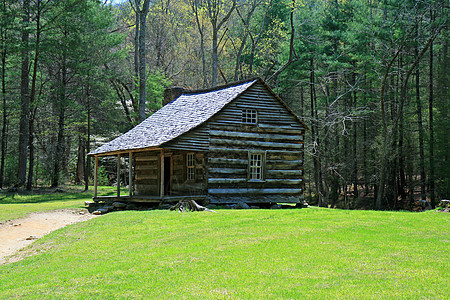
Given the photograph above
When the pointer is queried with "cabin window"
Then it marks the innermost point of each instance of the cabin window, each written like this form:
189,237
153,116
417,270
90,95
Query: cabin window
256,166
249,116
190,166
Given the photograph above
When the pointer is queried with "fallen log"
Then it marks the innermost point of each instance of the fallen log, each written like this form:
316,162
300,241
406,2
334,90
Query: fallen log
189,205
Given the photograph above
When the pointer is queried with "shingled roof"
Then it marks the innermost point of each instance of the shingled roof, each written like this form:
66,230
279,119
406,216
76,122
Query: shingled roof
183,114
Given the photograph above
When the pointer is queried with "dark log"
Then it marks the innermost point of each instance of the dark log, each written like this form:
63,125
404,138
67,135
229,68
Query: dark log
255,135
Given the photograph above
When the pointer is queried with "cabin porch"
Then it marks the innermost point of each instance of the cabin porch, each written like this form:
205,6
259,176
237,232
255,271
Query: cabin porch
158,175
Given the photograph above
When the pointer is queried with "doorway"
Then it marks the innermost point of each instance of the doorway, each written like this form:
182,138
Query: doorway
167,174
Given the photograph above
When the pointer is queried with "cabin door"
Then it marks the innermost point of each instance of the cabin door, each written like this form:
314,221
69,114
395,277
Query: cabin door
167,174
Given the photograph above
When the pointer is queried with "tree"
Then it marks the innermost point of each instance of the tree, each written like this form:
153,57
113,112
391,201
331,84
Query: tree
388,133
218,12
6,39
141,23
24,94
196,7
247,32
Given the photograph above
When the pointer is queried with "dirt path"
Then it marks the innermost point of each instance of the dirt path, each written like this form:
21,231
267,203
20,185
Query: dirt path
19,233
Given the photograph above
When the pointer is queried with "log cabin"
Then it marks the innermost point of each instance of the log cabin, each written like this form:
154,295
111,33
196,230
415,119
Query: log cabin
230,144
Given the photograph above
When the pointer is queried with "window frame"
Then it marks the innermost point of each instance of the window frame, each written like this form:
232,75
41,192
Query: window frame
251,167
249,116
190,166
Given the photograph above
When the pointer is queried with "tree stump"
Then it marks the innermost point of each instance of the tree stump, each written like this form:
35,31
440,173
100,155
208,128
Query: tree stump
189,205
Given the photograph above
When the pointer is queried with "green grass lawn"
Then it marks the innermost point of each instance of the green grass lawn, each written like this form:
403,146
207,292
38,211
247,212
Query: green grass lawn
18,205
239,254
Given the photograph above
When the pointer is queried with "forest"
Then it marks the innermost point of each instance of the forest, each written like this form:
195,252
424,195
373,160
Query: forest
369,78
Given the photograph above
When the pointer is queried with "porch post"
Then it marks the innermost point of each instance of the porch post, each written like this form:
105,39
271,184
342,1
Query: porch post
118,175
95,176
130,173
161,192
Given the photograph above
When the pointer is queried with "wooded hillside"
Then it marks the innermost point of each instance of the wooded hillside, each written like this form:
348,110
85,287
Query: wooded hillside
369,78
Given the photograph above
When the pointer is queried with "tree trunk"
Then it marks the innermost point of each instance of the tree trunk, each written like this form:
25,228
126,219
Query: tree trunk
59,147
214,9
136,44
59,153
431,126
355,156
327,147
87,171
334,179
237,67
25,97
142,53
292,53
258,37
401,186
317,172
81,164
142,77
33,96
365,141
420,125
195,5
4,120
31,151
123,100
202,49
214,57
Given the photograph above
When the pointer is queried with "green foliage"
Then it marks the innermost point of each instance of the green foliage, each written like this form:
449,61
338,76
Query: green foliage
156,84
102,176
238,254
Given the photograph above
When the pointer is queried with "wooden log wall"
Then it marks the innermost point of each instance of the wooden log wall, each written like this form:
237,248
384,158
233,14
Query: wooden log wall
180,185
195,140
148,178
278,135
146,169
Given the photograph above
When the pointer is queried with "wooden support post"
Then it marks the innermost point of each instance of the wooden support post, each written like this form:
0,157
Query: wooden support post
130,173
161,193
95,177
118,175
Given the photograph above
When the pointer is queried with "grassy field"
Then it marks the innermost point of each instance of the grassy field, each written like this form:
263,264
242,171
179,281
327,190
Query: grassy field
239,254
18,205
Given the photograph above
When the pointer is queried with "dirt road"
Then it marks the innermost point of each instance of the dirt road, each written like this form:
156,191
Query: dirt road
17,234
